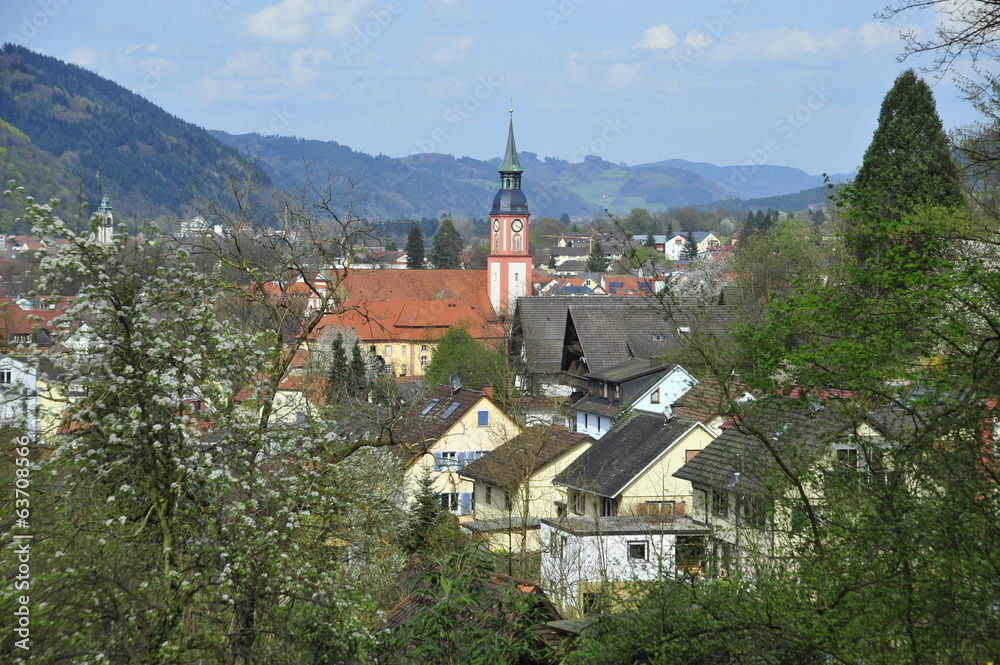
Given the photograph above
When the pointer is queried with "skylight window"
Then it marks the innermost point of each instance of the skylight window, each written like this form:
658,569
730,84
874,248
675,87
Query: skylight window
427,409
451,409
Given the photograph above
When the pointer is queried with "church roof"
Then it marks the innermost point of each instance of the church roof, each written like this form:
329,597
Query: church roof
510,163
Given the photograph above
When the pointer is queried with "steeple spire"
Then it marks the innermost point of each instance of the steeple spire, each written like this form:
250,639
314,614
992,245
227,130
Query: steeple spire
510,170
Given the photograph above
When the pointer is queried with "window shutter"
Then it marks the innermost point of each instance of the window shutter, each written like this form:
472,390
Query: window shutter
437,461
465,503
464,458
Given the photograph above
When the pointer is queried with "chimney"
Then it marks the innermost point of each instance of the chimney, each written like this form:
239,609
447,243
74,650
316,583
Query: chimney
488,391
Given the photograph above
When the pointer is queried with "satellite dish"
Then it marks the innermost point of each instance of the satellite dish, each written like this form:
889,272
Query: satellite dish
668,413
455,383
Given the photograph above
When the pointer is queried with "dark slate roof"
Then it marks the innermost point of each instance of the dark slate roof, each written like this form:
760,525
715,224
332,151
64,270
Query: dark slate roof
420,429
612,329
797,430
707,399
510,202
629,447
624,525
526,453
632,368
504,524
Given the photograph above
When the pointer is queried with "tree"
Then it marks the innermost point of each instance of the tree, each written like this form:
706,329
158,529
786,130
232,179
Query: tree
337,375
650,241
908,163
415,248
907,168
446,252
690,251
971,28
458,352
598,260
431,528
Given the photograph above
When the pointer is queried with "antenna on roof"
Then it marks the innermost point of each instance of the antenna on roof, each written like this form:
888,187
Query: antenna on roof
455,382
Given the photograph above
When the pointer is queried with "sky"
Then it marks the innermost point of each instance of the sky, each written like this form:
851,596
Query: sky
731,82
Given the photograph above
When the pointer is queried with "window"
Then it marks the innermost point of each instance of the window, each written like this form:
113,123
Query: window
427,409
452,408
424,348
446,461
496,242
683,331
483,418
5,377
660,508
449,501
404,351
507,503
637,550
560,508
720,503
600,389
489,494
517,242
579,502
847,458
388,350
609,507
689,552
423,361
655,397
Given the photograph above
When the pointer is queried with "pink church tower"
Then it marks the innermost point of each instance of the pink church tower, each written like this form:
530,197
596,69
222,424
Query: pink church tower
509,262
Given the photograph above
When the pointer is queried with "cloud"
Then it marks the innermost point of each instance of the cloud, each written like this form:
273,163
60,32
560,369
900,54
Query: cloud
82,55
295,21
773,44
455,52
267,72
658,37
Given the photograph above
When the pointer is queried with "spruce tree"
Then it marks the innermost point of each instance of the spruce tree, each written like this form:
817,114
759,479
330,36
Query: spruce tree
908,163
690,251
337,374
446,252
907,169
597,261
415,248
357,372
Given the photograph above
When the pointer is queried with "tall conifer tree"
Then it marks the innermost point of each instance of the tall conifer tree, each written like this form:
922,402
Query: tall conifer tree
415,248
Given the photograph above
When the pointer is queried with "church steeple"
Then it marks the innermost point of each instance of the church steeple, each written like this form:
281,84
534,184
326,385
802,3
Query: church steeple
510,170
509,262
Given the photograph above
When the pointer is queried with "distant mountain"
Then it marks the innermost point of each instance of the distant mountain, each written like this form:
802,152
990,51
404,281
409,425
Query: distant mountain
62,123
751,181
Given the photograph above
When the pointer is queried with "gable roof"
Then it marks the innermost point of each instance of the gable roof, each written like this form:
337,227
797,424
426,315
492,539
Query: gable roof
528,452
707,399
468,286
434,414
625,452
796,429
408,320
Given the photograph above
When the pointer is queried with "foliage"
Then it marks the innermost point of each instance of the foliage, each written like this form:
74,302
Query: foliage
597,261
431,528
446,251
464,614
690,250
458,352
415,248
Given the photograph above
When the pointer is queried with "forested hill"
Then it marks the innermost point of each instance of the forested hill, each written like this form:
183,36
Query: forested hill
62,123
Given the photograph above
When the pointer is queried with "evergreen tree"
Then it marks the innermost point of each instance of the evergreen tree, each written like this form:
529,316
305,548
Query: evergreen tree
338,372
650,240
415,248
597,261
908,163
690,251
446,253
357,372
907,168
432,529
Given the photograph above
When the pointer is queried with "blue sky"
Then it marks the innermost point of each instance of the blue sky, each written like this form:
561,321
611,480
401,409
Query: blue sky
725,81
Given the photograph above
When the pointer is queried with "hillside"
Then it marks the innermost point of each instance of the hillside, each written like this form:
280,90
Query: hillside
63,124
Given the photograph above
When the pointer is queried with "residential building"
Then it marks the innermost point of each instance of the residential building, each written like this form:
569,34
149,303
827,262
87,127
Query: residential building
443,432
513,486
645,385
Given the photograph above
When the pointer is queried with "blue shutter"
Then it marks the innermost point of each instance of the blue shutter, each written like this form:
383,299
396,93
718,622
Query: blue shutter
465,503
484,418
437,461
464,457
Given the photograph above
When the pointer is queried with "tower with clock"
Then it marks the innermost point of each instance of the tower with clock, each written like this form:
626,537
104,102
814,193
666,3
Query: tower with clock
509,262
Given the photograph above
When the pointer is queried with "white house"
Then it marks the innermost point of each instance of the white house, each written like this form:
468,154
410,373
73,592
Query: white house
19,402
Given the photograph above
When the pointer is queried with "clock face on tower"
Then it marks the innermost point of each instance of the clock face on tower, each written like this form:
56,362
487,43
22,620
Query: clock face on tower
496,224
516,226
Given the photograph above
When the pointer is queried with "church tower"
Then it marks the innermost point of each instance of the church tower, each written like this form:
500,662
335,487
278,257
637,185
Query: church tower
509,262
105,222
